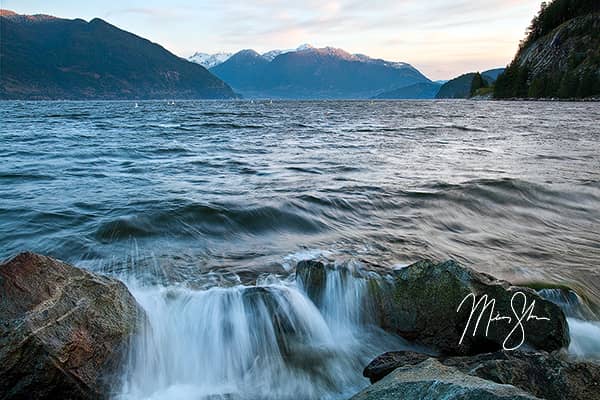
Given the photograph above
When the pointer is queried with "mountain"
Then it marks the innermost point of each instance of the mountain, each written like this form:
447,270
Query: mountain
270,55
421,90
469,84
212,60
310,72
457,88
209,60
560,55
44,57
492,74
242,67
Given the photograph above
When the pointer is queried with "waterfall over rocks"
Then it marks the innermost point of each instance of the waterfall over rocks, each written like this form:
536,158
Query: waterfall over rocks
267,341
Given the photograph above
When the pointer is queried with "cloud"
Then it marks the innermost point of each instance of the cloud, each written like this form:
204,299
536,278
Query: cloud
160,13
414,31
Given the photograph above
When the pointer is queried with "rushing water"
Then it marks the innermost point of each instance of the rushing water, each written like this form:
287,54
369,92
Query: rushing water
267,341
204,208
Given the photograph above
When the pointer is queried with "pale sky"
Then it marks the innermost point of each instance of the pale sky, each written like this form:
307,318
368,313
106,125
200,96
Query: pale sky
442,38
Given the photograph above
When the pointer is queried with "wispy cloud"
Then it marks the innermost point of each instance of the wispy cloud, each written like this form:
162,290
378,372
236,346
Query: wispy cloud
147,12
441,36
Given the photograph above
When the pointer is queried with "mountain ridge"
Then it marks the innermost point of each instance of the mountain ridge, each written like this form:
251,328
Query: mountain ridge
47,57
310,72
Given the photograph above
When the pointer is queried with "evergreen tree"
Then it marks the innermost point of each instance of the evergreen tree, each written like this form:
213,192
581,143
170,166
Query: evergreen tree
588,84
537,88
568,86
477,83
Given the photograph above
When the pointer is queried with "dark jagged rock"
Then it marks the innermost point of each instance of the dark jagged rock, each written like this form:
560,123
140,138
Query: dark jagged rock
422,304
63,331
312,276
384,364
549,376
431,380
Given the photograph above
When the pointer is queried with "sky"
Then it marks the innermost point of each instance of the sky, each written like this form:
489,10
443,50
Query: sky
442,38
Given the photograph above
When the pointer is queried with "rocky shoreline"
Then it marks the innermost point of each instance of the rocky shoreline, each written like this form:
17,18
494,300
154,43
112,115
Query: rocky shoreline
500,375
65,332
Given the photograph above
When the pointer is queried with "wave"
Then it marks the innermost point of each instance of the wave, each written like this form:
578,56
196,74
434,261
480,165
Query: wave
228,125
209,219
73,115
24,176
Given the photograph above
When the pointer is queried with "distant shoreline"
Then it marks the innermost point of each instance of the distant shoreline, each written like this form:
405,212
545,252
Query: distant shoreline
592,100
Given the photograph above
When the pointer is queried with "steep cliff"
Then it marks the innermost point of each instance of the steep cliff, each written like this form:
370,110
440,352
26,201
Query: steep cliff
560,57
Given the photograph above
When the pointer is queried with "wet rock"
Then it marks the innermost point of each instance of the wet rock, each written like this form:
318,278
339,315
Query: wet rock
289,331
431,380
550,376
421,303
63,330
312,276
545,375
385,363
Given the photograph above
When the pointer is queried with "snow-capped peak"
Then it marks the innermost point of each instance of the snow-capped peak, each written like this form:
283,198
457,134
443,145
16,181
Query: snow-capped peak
270,55
304,46
210,60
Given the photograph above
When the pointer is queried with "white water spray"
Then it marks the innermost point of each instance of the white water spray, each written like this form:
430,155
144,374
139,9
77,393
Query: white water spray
268,341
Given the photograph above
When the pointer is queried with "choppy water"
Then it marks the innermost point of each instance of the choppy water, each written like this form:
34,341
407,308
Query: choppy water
179,198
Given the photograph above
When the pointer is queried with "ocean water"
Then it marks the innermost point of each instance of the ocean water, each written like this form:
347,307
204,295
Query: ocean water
197,204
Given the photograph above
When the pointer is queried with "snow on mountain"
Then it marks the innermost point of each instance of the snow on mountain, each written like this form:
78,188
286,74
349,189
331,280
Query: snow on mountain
212,60
209,60
270,55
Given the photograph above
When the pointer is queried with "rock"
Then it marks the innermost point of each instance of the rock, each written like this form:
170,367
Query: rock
421,302
291,332
384,364
431,380
63,330
312,276
549,376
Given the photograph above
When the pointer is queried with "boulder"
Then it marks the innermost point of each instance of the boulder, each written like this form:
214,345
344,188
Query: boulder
311,276
422,303
431,380
384,364
63,331
439,305
548,376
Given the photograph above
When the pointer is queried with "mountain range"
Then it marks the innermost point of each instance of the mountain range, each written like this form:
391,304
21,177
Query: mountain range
208,60
309,72
44,57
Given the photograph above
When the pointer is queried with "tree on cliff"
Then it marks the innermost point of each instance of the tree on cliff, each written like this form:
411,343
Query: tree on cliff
560,55
477,83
